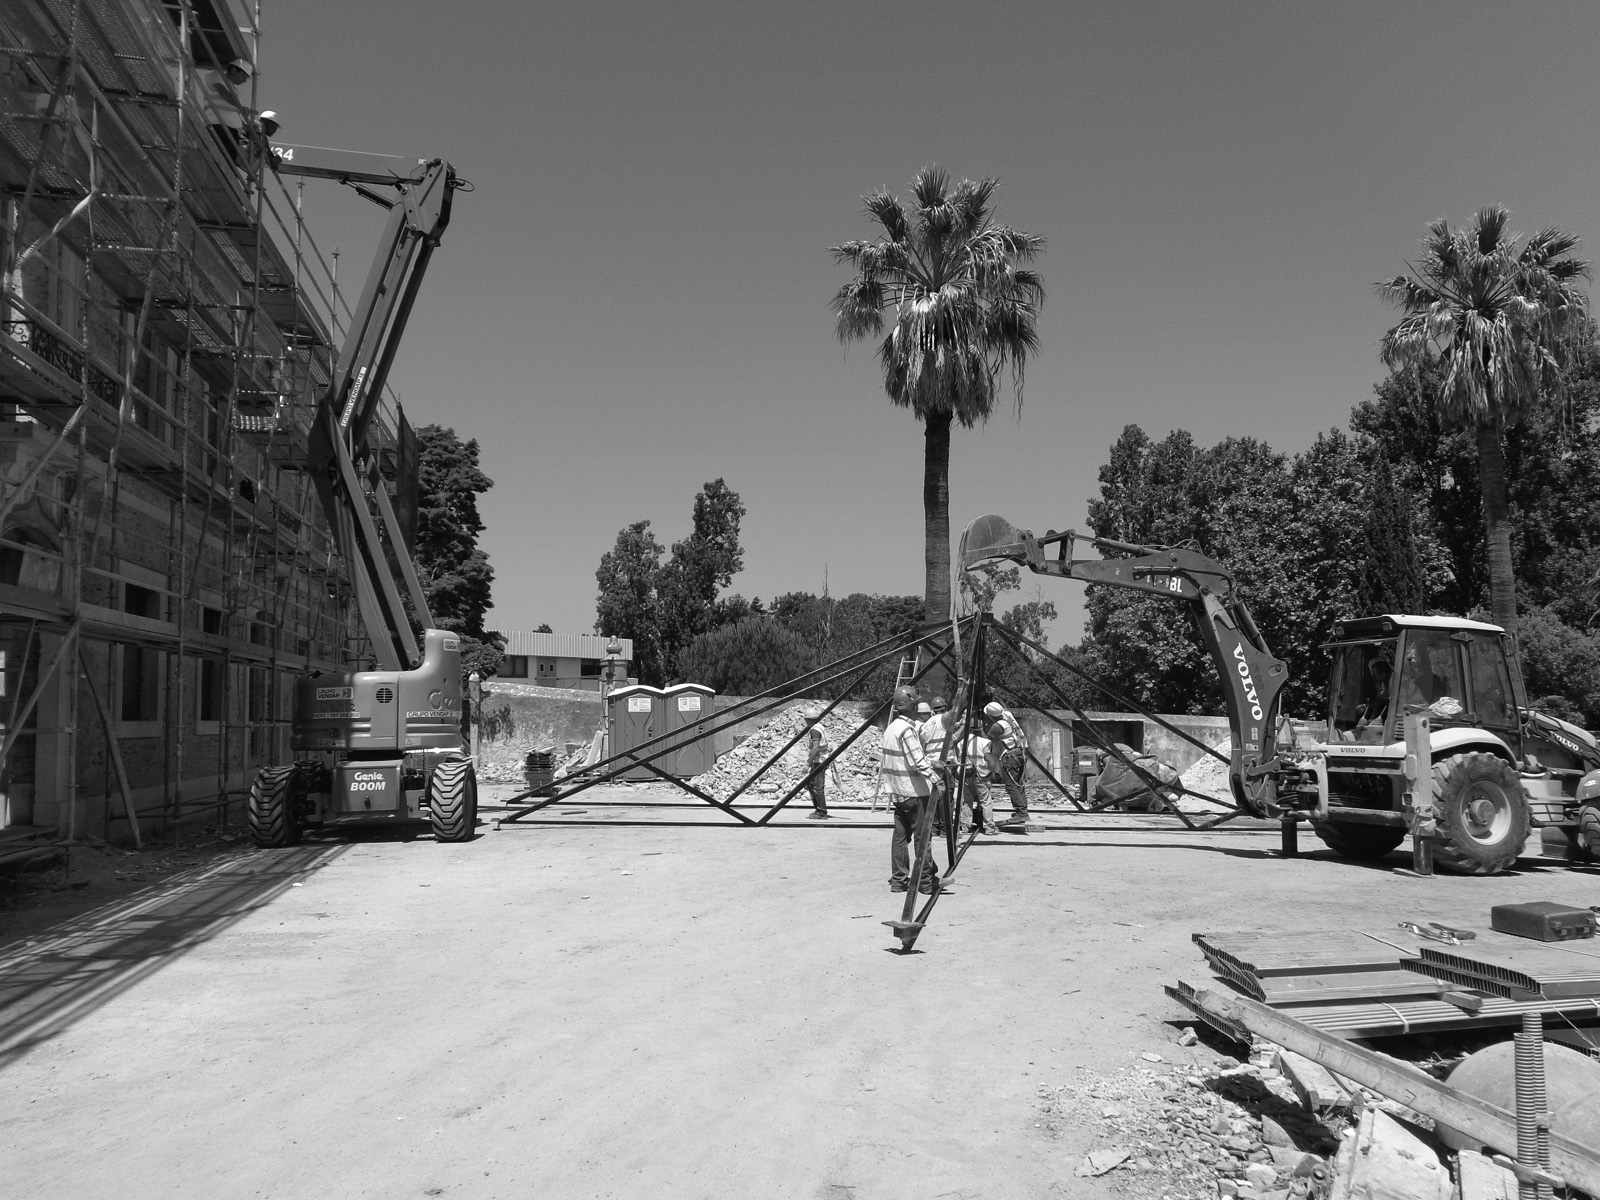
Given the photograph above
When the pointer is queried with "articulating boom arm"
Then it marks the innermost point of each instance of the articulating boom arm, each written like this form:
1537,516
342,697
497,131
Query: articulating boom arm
1251,677
345,468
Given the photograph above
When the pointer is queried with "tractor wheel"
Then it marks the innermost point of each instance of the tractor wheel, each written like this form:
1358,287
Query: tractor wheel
453,801
1349,840
270,809
1482,816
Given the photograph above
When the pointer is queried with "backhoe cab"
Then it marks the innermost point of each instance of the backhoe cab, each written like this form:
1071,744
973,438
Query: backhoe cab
1500,768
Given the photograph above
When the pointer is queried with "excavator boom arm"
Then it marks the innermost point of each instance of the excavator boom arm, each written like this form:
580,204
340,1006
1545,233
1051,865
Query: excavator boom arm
1251,677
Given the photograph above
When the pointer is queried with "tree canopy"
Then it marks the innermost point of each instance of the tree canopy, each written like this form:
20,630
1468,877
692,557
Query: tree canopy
663,607
964,306
455,573
1493,317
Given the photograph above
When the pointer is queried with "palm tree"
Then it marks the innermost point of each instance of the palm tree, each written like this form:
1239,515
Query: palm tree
1496,319
965,310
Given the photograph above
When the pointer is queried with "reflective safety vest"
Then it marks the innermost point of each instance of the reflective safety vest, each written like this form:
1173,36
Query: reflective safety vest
905,767
1015,739
934,732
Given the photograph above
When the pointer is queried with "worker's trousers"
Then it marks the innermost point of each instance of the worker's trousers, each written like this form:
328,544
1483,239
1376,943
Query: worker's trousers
908,812
1011,766
819,793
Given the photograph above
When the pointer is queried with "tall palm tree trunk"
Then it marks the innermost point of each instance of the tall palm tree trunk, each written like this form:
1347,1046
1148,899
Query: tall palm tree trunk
1497,526
936,516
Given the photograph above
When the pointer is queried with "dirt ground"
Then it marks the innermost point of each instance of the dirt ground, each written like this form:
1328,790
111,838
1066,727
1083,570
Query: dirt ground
610,1001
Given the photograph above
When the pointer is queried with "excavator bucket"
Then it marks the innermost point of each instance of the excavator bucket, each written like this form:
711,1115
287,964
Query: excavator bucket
990,537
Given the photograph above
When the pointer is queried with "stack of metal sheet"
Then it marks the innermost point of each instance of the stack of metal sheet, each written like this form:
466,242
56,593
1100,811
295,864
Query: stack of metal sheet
1376,984
1315,966
1516,968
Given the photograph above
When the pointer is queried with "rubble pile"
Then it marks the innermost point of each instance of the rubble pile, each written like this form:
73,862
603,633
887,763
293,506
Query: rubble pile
1167,1133
857,767
1208,777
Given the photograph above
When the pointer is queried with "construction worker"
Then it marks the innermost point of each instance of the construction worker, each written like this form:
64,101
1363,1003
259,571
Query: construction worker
909,779
1012,747
817,748
934,726
982,764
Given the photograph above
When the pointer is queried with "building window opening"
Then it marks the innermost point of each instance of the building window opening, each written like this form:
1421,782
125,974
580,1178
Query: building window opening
141,684
141,601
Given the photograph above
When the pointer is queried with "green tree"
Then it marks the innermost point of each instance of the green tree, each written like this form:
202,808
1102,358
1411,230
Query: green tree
747,657
965,309
701,566
455,573
1495,316
627,605
663,607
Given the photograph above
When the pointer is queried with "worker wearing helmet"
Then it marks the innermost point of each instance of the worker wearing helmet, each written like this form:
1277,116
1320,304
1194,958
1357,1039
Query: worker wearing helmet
1007,738
817,748
909,779
934,725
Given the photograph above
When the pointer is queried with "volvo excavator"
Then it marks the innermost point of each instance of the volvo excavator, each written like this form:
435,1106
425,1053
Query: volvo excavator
1499,766
385,744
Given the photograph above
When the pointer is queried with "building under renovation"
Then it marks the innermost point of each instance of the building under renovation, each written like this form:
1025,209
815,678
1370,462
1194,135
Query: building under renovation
167,326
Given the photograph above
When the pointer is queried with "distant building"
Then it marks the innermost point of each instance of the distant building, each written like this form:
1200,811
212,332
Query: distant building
562,660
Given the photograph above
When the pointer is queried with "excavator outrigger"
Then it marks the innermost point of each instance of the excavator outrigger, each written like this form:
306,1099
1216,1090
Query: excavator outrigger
384,744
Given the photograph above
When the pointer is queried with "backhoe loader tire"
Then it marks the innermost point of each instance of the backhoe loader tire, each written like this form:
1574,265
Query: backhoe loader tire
453,801
1349,840
1481,814
270,810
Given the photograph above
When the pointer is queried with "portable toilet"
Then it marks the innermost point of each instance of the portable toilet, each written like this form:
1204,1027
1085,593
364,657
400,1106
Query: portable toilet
636,713
688,706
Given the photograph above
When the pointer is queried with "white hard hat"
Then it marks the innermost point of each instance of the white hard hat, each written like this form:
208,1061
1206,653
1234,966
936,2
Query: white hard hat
924,709
992,709
812,714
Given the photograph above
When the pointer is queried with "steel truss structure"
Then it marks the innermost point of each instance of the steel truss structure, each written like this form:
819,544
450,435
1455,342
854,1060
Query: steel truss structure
965,647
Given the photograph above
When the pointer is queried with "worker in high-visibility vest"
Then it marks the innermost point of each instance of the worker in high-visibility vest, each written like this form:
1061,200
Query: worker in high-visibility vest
935,726
1006,732
910,781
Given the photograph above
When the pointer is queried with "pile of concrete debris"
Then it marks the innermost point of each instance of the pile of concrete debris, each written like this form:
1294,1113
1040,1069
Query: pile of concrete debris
1245,1131
857,767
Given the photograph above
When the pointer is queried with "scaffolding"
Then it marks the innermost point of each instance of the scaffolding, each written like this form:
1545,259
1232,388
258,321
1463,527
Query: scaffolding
167,326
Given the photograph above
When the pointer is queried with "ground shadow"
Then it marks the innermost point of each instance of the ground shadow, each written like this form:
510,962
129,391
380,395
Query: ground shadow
55,978
1030,841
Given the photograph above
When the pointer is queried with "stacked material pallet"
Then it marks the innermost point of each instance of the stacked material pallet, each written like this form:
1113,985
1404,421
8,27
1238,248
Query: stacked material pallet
1364,985
1517,968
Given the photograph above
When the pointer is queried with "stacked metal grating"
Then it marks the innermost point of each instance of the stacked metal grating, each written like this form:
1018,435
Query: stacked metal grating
1515,968
1364,985
539,769
1313,966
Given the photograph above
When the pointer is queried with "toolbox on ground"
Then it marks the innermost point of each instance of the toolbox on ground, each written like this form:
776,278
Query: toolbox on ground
1543,920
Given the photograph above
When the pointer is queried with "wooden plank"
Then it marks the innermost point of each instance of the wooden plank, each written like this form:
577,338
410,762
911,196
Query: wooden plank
1486,1123
1319,1089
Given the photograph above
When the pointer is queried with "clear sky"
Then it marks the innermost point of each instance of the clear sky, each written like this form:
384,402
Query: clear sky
635,298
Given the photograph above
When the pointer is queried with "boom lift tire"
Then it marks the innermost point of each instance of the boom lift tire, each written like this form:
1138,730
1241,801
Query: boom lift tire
1481,814
270,809
453,801
1349,840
